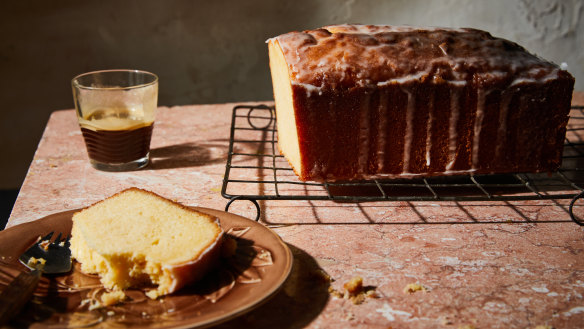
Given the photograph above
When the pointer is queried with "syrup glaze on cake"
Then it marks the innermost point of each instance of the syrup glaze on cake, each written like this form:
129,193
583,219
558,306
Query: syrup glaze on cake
363,101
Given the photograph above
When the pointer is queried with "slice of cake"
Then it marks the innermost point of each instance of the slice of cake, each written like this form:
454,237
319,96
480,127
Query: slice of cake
137,238
371,101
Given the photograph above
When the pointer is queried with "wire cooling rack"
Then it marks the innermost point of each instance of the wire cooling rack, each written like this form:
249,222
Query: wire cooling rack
255,170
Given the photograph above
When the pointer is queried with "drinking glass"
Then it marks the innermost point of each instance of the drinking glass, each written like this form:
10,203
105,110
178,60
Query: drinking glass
116,110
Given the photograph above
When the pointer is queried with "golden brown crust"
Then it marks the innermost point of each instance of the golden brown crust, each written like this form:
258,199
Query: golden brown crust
151,193
185,274
345,56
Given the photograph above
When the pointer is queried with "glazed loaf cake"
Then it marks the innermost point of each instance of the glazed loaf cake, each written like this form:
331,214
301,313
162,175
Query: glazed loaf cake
365,102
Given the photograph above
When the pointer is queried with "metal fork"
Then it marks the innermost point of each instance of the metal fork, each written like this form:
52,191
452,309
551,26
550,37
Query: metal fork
42,257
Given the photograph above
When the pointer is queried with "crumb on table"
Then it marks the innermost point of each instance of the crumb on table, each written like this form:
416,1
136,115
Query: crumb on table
414,287
354,286
354,291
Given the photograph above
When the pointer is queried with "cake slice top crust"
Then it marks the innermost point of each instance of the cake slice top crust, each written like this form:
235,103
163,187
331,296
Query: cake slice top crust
136,221
346,56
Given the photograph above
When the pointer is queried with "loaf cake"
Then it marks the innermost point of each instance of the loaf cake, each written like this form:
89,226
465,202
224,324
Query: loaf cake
137,238
372,102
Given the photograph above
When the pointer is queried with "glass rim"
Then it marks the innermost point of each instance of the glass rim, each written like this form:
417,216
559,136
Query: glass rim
76,83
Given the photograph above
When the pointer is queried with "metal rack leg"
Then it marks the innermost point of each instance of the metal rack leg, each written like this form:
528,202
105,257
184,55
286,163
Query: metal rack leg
239,197
577,221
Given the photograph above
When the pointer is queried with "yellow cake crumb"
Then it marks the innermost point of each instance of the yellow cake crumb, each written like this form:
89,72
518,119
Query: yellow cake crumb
544,326
152,294
358,299
335,293
354,291
414,287
112,297
371,293
44,244
354,286
34,262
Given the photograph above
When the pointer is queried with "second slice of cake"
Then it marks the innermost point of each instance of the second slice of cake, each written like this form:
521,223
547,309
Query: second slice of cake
137,238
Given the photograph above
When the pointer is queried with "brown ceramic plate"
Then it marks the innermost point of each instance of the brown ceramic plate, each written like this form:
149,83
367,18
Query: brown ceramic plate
243,281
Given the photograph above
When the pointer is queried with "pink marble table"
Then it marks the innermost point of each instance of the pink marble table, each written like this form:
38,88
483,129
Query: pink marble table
484,264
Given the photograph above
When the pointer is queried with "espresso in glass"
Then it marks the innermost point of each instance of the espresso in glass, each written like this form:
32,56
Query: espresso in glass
115,136
116,116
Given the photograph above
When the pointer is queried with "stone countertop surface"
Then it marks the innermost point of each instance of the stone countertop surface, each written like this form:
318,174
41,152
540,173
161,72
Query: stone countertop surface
504,264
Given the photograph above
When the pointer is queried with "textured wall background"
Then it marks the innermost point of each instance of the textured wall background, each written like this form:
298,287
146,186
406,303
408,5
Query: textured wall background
214,51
